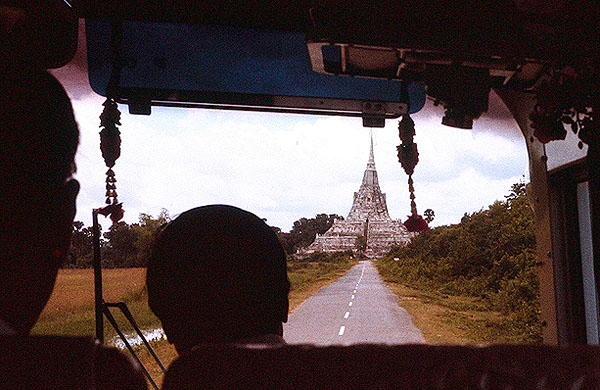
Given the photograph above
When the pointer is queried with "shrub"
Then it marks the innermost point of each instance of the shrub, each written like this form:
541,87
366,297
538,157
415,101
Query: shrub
490,254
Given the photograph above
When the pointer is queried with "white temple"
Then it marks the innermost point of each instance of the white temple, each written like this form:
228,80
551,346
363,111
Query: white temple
368,218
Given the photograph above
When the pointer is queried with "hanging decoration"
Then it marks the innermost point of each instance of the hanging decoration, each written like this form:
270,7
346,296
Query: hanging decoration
408,155
110,145
110,136
570,97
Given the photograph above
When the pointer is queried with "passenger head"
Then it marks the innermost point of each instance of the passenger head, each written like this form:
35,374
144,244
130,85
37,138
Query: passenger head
218,274
38,140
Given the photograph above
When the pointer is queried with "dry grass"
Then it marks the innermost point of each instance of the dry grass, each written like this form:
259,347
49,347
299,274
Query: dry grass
75,287
167,354
70,310
447,319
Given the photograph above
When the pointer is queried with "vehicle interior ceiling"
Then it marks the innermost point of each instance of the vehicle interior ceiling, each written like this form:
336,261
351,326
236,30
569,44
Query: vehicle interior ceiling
447,45
505,45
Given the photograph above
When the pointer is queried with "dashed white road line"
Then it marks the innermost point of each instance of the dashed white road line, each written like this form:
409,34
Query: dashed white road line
343,328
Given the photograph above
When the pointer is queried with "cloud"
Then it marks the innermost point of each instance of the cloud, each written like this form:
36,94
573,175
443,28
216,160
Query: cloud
468,192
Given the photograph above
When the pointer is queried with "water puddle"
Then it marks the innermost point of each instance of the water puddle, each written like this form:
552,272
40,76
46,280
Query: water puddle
133,339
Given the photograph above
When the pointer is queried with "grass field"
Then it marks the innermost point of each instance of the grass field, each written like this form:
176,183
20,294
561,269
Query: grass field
450,319
70,310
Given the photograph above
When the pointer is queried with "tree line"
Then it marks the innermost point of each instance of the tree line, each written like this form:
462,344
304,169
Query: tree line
122,245
490,254
129,245
304,231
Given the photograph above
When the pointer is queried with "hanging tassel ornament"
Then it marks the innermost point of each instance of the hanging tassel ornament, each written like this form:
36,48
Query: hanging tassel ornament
408,155
110,145
415,222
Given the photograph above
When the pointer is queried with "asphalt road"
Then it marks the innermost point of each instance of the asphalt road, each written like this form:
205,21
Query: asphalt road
356,308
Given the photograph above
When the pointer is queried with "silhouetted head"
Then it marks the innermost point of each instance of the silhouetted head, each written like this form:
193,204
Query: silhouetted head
38,141
218,274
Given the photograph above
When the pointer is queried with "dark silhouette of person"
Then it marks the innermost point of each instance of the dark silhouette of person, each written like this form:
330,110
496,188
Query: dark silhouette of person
38,141
218,274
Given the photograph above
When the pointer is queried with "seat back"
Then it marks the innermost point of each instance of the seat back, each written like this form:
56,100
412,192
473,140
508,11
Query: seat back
46,362
386,367
52,362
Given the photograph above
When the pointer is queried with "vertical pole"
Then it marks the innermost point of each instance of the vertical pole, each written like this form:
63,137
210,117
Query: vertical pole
521,104
98,299
593,162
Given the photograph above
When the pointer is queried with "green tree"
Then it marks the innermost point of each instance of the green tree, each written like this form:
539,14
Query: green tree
304,231
146,231
429,215
121,247
81,251
489,254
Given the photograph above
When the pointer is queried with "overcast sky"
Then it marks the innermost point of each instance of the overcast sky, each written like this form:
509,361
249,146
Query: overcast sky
284,166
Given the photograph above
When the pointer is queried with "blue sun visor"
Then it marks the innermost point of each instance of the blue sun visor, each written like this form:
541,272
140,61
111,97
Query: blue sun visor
146,63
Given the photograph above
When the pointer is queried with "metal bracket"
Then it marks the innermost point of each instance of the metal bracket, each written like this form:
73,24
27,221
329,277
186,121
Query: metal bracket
373,113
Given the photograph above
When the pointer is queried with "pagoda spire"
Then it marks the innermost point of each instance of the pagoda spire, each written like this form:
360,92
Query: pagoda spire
371,163
370,176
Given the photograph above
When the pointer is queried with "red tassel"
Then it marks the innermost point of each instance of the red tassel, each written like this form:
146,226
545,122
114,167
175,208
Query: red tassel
416,224
117,215
114,211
